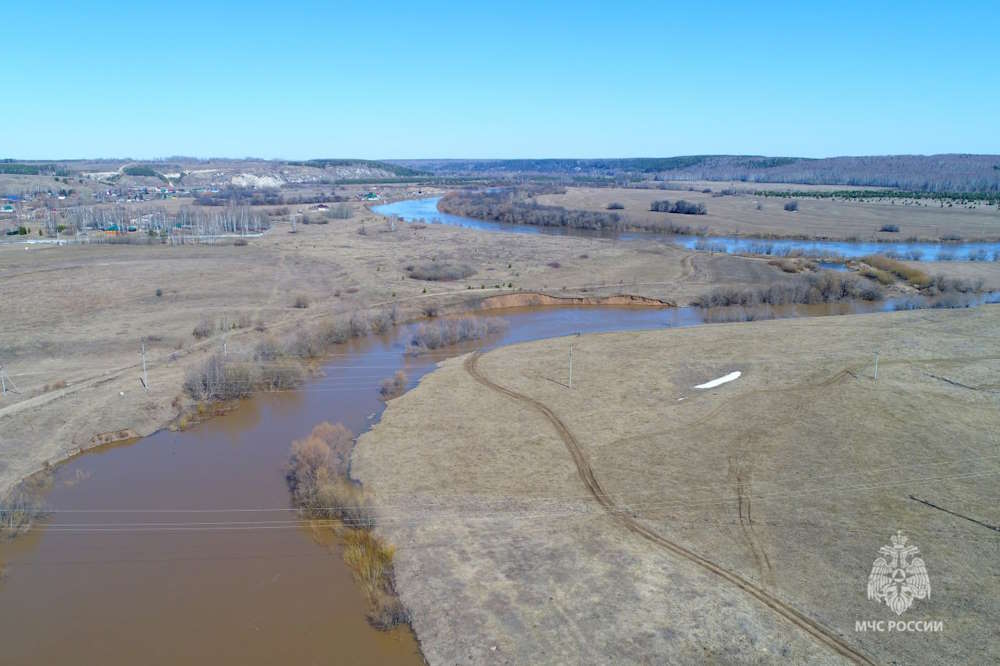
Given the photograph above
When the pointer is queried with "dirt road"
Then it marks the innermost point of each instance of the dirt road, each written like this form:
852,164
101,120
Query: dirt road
818,632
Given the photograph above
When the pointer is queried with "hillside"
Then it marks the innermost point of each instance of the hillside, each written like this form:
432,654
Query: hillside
932,173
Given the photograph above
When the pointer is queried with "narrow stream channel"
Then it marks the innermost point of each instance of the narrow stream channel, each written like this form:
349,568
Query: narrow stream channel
412,210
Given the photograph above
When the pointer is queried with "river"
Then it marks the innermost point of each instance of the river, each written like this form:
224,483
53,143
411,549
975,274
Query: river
183,545
426,210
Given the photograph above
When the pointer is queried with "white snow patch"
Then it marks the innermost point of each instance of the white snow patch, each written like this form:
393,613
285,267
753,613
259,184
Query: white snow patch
720,381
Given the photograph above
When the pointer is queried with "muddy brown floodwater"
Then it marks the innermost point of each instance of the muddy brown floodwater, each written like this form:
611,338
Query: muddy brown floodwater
183,546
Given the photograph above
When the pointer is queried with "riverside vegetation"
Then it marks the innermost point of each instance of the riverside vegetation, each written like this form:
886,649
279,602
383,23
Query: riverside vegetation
318,479
512,205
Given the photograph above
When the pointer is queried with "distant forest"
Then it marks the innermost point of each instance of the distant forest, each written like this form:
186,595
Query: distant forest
921,173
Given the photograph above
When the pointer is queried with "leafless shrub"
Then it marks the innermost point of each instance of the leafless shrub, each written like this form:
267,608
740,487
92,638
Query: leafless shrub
737,313
24,505
380,322
681,207
220,378
786,265
554,264
447,332
305,344
952,301
823,287
315,461
890,228
394,386
341,212
359,325
945,285
791,206
343,499
204,328
614,205
440,271
301,302
279,375
333,332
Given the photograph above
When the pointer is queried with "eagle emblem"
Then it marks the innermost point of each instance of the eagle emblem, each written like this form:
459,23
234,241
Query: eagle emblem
899,576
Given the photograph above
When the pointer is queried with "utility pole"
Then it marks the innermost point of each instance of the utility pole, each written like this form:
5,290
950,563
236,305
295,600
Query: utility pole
571,362
876,367
145,377
5,381
571,366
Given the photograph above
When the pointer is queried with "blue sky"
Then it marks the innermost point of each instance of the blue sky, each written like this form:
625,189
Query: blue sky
499,79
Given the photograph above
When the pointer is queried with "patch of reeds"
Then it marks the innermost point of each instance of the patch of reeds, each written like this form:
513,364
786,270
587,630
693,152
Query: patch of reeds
880,276
914,276
317,476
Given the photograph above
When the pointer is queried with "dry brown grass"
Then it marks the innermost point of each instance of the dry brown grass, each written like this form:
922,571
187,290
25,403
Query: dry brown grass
368,557
95,321
880,276
744,213
55,386
773,476
916,277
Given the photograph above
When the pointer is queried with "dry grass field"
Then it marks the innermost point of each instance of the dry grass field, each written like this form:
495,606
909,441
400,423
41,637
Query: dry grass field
821,218
74,317
635,515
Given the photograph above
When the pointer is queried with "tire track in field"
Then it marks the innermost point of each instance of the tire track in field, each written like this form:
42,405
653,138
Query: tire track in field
796,617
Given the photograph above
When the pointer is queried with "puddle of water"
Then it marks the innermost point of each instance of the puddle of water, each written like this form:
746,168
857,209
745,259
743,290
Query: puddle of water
426,209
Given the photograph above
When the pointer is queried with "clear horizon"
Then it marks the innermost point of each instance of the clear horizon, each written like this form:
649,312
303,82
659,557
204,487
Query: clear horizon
159,158
520,81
